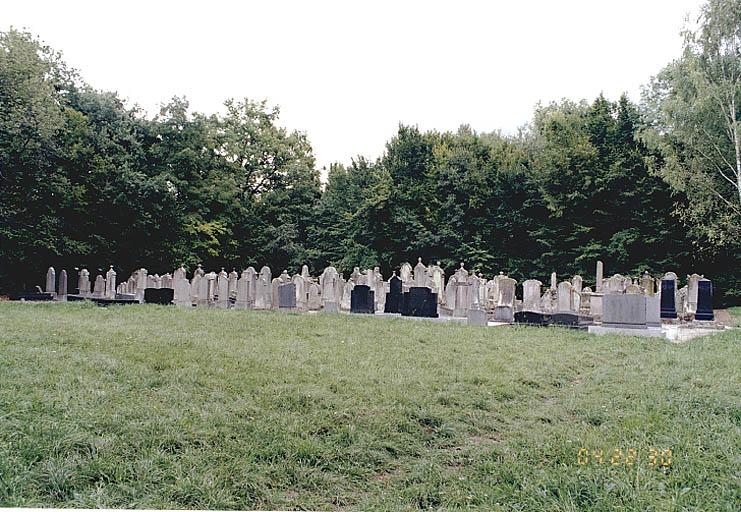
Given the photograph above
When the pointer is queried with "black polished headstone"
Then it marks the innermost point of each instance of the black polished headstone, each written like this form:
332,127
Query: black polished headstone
532,318
394,296
421,302
362,300
668,307
162,296
404,304
287,296
704,301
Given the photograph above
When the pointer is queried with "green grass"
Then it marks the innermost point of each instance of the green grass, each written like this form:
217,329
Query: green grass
735,311
159,407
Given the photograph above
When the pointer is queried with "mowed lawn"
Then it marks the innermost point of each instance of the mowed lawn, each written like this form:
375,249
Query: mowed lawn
152,407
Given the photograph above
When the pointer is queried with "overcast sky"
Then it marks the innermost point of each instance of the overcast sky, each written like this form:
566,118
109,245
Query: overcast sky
348,72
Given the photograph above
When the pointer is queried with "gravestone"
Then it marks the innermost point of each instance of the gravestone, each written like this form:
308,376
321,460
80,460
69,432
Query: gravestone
565,303
331,290
577,282
222,289
110,283
232,287
633,289
283,278
668,292
212,289
653,310
531,295
362,299
505,309
246,285
195,287
314,298
404,303
462,292
51,281
83,283
704,300
99,288
599,277
692,290
263,292
151,281
287,296
163,296
140,277
405,274
420,274
491,292
62,291
380,289
648,284
181,288
167,281
302,291
421,302
624,311
438,279
585,301
346,300
393,297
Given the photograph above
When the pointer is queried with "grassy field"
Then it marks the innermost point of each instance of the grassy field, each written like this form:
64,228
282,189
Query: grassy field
158,407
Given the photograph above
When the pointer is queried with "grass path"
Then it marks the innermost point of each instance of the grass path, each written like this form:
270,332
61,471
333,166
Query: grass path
161,407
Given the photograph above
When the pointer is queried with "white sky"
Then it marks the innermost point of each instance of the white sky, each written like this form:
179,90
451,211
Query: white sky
347,72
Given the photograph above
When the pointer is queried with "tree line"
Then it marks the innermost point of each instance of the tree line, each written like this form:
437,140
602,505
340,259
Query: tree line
87,181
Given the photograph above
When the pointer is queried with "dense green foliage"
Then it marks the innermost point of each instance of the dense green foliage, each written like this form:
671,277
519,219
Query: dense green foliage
87,181
693,112
155,407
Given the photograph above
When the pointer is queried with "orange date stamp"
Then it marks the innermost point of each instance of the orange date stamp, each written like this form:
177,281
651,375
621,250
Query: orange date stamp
653,457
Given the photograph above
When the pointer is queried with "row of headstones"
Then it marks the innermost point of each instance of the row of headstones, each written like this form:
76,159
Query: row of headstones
331,291
102,287
464,291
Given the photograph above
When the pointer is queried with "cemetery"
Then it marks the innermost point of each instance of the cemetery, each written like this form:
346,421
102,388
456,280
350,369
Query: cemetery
370,256
634,306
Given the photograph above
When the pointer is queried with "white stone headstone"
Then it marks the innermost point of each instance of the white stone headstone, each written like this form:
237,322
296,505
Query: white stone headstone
531,295
99,288
51,280
222,289
420,274
565,297
181,288
263,292
110,283
83,282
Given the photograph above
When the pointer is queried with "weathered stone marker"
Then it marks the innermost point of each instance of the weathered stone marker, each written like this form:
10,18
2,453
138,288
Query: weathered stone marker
287,296
51,280
62,291
624,310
